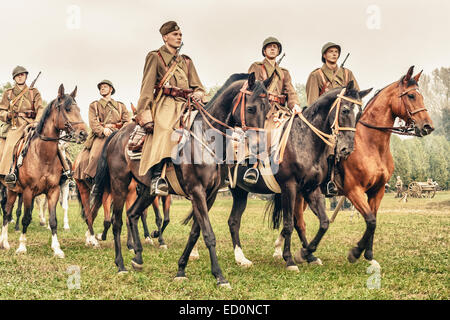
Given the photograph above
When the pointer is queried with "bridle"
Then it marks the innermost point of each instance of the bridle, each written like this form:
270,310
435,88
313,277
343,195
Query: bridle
68,128
331,139
409,128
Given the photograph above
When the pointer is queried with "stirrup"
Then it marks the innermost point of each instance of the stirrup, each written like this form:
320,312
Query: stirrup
159,187
68,174
11,179
251,176
331,190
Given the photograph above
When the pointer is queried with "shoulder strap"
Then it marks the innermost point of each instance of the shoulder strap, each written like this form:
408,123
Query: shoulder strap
264,72
32,98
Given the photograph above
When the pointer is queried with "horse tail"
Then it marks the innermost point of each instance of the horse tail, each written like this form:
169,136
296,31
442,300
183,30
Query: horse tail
102,178
274,208
188,217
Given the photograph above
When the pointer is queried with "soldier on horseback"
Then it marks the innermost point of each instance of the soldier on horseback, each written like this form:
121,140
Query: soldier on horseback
168,80
321,80
105,116
282,94
20,107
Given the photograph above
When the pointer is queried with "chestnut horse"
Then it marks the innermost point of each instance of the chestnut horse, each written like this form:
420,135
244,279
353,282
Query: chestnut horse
362,176
41,168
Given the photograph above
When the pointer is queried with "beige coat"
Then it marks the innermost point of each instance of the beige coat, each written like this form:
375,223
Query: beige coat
315,82
23,105
281,83
101,114
166,111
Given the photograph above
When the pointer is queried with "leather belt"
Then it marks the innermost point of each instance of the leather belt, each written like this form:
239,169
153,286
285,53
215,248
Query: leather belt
176,92
26,114
280,99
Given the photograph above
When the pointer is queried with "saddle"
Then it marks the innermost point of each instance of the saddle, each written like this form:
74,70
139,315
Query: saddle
21,148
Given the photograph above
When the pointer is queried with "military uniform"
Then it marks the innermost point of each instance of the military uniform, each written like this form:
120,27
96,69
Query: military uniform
167,110
28,109
102,114
323,79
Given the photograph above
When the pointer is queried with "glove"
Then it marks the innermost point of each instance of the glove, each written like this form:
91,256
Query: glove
107,132
296,109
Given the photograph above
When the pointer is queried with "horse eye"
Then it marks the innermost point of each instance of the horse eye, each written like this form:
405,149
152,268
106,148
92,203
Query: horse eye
345,110
251,109
411,96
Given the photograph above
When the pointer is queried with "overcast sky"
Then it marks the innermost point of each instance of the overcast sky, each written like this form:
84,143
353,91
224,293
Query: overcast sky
81,42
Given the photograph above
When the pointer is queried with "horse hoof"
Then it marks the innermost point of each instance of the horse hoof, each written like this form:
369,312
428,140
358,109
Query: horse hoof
59,255
245,264
149,240
278,255
298,257
137,266
292,268
42,224
351,258
180,279
122,272
99,236
66,228
163,247
5,246
21,251
225,285
194,257
316,262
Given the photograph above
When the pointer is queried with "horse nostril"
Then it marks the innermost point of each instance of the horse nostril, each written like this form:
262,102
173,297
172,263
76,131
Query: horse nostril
428,128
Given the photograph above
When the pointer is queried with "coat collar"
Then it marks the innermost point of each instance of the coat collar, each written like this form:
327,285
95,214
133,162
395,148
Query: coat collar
166,55
339,78
270,69
17,90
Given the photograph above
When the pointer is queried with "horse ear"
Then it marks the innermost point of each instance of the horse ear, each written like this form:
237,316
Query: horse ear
61,91
417,76
350,85
74,92
364,93
251,80
408,75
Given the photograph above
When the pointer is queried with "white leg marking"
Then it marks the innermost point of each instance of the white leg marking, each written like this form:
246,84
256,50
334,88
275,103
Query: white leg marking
56,247
278,254
240,258
4,238
22,244
194,254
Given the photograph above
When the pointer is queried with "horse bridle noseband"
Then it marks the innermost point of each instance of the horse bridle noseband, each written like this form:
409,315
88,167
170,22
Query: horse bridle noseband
68,128
241,99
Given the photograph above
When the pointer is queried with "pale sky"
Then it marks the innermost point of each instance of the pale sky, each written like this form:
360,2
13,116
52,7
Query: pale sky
110,39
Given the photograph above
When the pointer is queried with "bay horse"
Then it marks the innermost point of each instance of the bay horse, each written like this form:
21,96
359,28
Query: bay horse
41,168
304,167
241,102
363,175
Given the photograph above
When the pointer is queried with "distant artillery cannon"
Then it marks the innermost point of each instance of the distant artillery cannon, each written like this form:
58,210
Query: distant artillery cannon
422,189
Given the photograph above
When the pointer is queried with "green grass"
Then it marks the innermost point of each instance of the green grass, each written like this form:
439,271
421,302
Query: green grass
411,244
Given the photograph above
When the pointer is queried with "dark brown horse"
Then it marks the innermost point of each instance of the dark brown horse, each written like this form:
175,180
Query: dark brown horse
41,168
363,175
200,178
304,167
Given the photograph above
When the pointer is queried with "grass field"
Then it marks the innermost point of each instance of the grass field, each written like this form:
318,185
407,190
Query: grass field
411,244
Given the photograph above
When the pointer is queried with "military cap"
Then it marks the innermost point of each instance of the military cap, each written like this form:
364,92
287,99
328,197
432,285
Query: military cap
329,45
168,27
18,70
270,40
109,83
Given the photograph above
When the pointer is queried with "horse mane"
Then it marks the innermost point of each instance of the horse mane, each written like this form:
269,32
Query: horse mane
313,109
233,78
68,100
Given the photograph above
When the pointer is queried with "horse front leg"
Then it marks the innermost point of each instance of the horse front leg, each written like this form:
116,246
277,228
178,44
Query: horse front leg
134,214
316,202
288,202
374,200
358,198
166,200
27,196
240,198
7,215
65,204
52,198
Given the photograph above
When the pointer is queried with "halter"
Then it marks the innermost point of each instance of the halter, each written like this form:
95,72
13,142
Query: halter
68,128
408,129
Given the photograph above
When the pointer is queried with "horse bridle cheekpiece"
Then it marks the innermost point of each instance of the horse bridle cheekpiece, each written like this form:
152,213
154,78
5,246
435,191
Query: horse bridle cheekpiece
409,112
241,100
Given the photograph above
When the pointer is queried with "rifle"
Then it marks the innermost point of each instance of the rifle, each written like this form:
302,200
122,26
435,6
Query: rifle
281,59
14,101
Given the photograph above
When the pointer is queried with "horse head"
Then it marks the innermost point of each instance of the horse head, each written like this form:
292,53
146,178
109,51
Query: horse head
68,117
348,107
409,106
